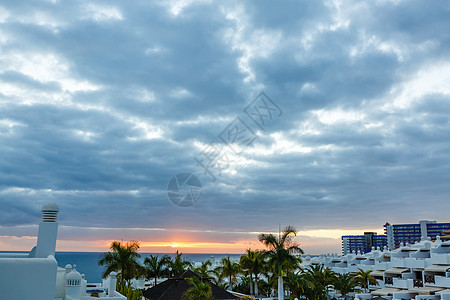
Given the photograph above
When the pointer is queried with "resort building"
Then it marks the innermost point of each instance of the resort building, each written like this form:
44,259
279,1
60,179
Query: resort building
399,234
36,275
362,243
416,271
395,236
446,236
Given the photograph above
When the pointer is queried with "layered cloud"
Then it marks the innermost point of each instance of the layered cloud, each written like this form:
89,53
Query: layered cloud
102,103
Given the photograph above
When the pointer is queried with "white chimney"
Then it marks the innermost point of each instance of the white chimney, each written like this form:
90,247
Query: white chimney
112,284
73,285
48,229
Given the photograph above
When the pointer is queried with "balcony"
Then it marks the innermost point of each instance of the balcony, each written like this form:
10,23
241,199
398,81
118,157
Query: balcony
442,281
353,269
427,297
377,286
398,262
422,254
417,263
382,265
339,270
341,264
366,267
440,258
402,283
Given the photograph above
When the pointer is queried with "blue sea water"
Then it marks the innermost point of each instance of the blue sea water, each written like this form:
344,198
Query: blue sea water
87,261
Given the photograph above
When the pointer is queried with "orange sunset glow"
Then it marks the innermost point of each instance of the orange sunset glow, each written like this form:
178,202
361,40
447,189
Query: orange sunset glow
199,247
311,241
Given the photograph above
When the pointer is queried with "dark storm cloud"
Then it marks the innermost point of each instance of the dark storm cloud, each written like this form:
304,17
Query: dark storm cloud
101,104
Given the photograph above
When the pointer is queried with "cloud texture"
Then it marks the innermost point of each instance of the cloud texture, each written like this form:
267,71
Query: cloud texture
102,103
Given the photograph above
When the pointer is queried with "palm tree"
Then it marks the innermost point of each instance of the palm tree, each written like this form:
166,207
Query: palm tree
177,265
244,285
156,267
364,279
229,269
344,283
319,292
218,277
321,276
198,291
281,254
258,266
264,287
246,263
204,270
252,263
299,284
123,260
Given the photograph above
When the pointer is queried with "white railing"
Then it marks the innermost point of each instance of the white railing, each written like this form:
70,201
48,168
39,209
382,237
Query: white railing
400,283
442,281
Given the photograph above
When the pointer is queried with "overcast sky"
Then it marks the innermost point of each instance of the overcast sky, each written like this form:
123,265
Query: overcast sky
102,103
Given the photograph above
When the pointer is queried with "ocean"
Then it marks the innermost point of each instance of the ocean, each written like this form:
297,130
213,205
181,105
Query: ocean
87,261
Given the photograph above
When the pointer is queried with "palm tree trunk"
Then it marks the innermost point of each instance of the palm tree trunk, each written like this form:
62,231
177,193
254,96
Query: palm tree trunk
231,284
280,288
256,285
251,284
156,280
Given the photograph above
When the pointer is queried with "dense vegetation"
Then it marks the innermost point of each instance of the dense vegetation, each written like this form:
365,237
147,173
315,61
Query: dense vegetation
258,272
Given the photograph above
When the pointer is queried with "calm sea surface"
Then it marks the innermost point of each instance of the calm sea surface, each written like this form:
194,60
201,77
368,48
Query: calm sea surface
87,261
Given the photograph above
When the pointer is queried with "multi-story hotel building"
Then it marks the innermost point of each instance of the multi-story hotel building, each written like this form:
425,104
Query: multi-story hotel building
395,236
362,243
398,234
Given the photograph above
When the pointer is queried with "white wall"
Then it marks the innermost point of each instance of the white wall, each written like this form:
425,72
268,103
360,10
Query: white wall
28,278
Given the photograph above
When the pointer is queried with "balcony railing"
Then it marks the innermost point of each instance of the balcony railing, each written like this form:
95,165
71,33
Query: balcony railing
442,281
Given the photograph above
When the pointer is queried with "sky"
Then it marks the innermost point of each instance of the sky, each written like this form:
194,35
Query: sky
331,116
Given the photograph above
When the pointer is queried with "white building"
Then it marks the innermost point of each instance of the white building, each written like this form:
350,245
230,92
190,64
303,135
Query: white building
417,271
36,275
